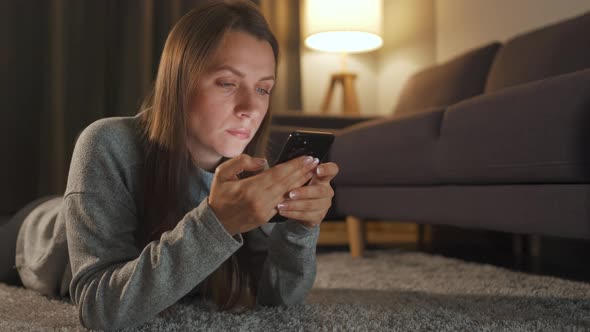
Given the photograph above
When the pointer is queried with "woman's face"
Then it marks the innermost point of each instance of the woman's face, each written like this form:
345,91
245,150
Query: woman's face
231,99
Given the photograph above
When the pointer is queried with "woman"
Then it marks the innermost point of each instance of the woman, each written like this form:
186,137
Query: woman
157,207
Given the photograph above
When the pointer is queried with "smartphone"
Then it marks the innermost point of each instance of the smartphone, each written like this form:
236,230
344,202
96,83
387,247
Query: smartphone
304,143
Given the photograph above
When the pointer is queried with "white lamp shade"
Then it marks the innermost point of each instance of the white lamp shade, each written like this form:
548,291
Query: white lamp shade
343,25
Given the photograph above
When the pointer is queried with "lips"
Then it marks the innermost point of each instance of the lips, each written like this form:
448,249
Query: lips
242,133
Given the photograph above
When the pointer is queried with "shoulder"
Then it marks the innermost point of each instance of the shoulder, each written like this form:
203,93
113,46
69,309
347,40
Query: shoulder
117,138
108,151
115,133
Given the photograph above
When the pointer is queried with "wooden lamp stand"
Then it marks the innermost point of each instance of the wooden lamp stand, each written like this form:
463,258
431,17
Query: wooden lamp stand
349,101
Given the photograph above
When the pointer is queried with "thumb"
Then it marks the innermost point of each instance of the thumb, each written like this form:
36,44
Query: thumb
230,169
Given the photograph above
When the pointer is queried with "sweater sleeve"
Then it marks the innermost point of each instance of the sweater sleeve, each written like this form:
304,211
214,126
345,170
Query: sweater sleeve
114,285
286,260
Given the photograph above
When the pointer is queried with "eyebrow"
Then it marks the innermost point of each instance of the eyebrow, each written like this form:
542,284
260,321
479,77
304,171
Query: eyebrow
239,73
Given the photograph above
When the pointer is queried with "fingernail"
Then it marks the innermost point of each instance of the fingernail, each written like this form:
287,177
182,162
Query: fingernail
293,195
281,206
261,161
307,160
319,171
316,161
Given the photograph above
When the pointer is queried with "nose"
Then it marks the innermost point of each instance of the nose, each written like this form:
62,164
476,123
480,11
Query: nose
247,106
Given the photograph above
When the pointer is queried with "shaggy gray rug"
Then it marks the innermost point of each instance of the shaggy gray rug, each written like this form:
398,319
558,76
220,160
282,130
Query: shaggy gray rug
388,290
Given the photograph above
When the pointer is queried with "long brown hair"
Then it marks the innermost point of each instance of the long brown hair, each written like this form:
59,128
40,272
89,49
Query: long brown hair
168,163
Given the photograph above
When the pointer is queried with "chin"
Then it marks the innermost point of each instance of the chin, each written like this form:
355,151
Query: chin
232,152
231,148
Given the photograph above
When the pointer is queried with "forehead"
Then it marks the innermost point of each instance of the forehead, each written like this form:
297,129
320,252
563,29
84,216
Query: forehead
239,48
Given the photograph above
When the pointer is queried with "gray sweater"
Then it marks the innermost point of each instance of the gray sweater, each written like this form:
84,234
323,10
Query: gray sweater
82,244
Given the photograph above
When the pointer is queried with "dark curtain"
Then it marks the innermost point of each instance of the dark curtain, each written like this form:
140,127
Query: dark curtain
68,63
65,64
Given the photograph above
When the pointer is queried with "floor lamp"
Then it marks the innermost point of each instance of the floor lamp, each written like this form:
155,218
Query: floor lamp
343,26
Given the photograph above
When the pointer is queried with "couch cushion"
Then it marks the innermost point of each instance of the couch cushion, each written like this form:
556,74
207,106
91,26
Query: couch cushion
388,151
557,49
532,133
447,83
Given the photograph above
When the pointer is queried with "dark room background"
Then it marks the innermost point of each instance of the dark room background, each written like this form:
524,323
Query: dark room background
67,63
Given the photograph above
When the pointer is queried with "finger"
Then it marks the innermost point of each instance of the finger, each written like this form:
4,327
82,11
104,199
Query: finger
279,179
326,172
283,194
291,173
230,169
306,205
271,198
312,191
304,172
314,217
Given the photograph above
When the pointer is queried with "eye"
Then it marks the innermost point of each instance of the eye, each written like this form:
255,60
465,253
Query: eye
262,91
227,85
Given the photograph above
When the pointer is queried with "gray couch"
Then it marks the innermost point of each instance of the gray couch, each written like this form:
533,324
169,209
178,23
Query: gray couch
497,138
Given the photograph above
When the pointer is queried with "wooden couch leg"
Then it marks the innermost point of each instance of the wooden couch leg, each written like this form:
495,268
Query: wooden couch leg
356,236
518,249
534,242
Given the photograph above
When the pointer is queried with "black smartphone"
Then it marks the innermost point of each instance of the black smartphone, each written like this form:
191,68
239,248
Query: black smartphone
304,143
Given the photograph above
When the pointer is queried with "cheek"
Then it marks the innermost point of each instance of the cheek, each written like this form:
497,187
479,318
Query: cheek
261,118
206,111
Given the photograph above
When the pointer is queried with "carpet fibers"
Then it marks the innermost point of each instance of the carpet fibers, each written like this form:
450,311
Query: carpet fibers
388,290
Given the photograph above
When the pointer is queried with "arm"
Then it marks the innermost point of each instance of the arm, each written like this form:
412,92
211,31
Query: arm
286,260
115,285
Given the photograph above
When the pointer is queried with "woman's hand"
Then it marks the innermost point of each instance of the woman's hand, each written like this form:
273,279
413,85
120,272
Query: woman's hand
245,204
309,204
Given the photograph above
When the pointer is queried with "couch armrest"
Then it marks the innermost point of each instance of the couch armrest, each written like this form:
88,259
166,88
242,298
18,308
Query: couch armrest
536,132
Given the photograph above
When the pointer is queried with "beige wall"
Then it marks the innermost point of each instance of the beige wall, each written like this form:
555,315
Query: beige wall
409,45
464,24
